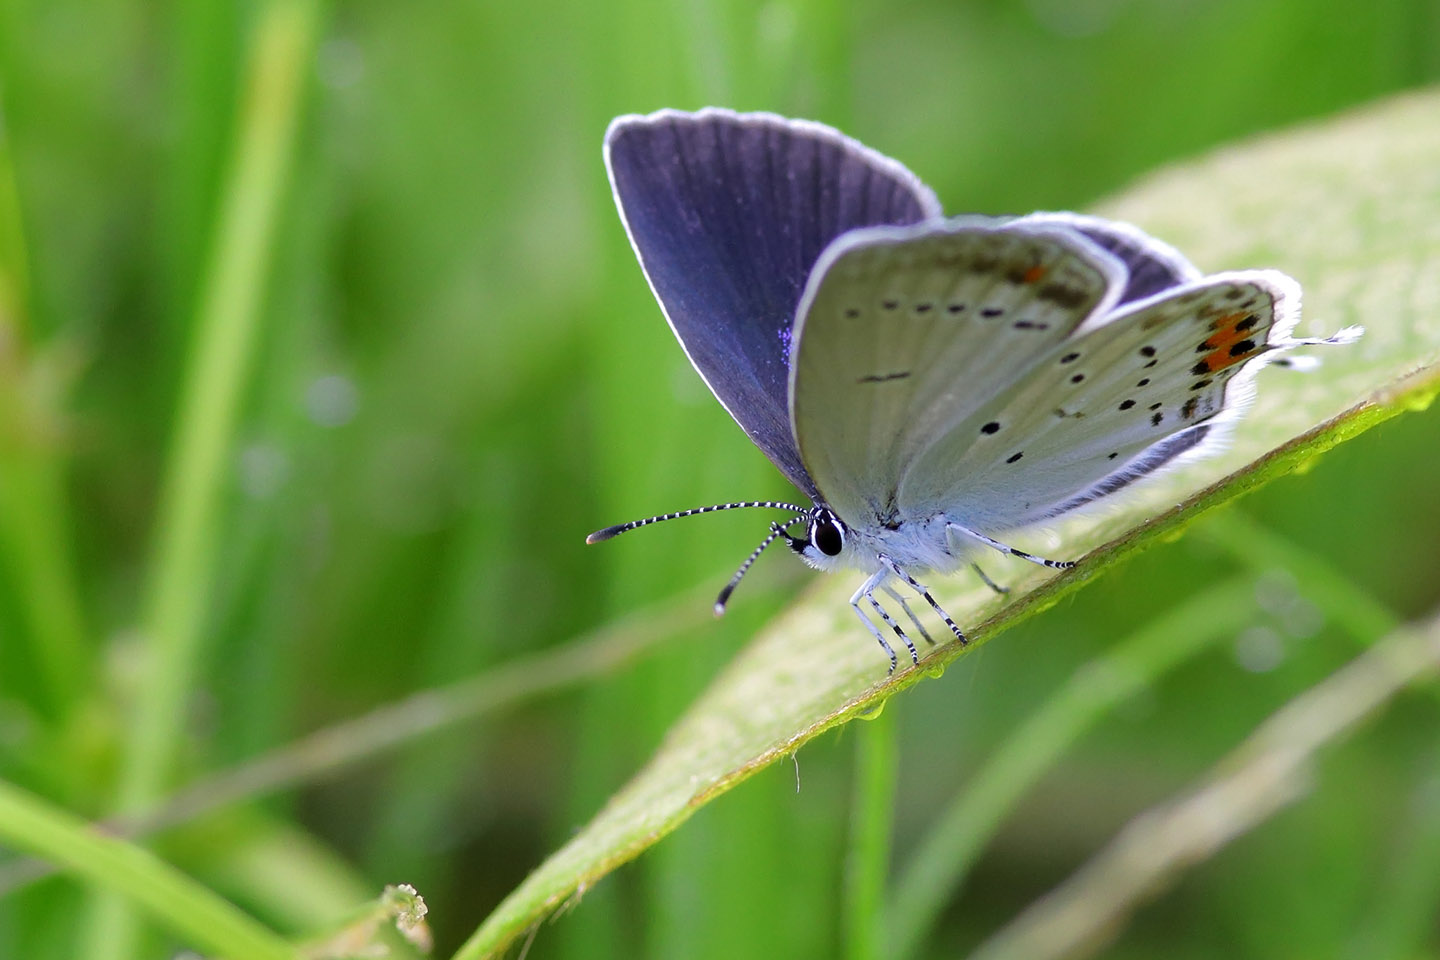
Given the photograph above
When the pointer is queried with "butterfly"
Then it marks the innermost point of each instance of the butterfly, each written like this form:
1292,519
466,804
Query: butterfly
930,384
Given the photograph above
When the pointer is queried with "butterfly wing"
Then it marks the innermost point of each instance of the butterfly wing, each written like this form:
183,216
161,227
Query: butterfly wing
1107,406
728,213
1151,265
904,332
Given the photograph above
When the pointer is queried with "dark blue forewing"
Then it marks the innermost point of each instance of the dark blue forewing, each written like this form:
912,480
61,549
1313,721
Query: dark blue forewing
1153,266
727,213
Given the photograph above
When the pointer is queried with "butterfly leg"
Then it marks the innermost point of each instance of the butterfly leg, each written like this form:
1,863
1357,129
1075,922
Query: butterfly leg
988,582
1005,548
919,588
885,615
895,595
864,592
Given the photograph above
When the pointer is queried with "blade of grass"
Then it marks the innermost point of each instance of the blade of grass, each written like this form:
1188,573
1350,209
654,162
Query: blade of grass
1401,919
288,878
393,726
868,865
1270,770
199,917
949,849
14,263
226,328
227,323
34,521
947,852
1262,550
1404,903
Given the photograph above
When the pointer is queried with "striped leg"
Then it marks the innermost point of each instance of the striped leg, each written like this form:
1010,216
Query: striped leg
988,582
1005,548
864,591
884,615
915,585
895,595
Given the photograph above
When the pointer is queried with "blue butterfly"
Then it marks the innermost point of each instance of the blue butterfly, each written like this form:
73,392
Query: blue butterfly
927,383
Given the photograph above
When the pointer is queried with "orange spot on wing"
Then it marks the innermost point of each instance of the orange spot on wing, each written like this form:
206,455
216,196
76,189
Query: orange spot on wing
1218,360
1228,321
1034,274
1227,335
1229,332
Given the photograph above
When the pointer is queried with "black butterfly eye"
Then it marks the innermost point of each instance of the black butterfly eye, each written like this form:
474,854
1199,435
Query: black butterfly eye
826,535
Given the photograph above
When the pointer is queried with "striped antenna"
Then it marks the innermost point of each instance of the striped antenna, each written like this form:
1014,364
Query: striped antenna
620,528
777,530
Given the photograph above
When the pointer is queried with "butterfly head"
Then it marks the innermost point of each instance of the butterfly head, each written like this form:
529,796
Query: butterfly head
826,539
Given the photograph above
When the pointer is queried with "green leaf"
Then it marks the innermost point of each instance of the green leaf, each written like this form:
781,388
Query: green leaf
1350,207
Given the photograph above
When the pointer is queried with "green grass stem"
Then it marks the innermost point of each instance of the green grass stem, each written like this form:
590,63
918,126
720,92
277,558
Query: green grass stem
1400,919
197,916
426,713
34,520
227,324
1271,769
1263,550
14,262
226,329
868,863
945,855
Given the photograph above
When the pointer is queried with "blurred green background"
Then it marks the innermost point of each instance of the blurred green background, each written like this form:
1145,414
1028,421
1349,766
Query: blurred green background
458,371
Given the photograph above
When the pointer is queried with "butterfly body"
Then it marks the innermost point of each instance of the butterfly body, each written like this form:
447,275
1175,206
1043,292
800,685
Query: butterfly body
930,384
922,544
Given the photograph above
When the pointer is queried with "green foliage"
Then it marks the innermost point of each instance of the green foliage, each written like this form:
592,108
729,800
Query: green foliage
443,368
